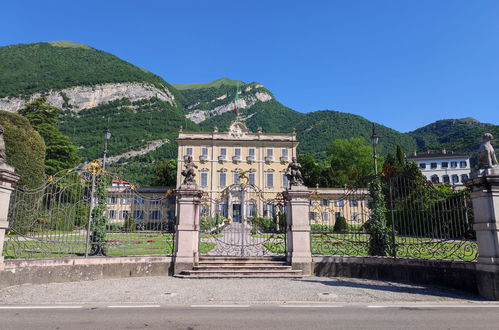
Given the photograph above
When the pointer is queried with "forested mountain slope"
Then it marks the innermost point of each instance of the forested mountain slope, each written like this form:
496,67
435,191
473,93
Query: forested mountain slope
460,135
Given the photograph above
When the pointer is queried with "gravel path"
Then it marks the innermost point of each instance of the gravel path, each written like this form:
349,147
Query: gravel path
170,290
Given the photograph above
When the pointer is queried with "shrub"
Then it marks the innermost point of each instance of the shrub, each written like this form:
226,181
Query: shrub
263,225
340,224
211,224
325,229
25,149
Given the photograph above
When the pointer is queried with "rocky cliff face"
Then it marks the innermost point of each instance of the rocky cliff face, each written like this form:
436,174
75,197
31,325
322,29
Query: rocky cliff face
84,97
199,115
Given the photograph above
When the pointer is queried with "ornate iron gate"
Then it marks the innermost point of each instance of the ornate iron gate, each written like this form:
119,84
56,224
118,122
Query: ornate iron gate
242,222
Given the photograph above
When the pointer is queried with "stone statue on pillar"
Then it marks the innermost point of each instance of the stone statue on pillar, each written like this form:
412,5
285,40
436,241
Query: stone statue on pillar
293,173
486,154
189,172
3,155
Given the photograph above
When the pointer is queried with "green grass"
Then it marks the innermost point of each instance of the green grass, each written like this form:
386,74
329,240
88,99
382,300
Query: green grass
118,244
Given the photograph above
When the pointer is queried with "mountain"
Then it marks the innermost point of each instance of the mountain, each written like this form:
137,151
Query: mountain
460,135
97,90
257,106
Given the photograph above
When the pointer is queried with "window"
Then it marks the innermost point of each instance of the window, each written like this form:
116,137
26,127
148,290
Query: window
284,152
251,152
138,214
453,164
325,216
339,203
125,201
123,215
112,200
464,177
222,210
251,211
285,181
112,214
354,203
325,202
223,179
237,152
154,215
433,165
189,151
251,178
446,179
270,179
445,165
138,200
204,179
237,177
455,178
223,152
435,179
338,215
463,164
422,166
355,216
204,151
312,216
269,210
205,210
270,152
154,201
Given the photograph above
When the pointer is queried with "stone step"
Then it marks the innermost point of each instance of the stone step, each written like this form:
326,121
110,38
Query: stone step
239,276
242,267
241,263
242,272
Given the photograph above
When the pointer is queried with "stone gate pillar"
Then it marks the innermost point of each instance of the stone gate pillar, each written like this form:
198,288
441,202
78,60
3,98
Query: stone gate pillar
187,227
7,178
485,197
298,252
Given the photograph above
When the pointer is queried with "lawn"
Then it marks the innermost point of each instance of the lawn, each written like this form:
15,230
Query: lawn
118,244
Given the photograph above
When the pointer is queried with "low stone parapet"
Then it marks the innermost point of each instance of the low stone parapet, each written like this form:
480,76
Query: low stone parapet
455,274
39,271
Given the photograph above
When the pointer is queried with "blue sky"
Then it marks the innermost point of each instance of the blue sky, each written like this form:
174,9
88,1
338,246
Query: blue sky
402,63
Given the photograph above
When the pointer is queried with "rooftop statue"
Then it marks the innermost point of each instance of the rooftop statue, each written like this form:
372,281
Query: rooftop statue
188,172
486,155
293,173
3,155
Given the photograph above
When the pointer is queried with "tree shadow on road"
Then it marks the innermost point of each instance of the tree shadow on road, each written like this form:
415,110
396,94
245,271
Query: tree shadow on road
398,287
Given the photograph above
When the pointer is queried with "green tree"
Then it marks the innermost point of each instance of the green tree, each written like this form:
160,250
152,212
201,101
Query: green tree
314,172
25,149
380,241
351,162
165,173
60,152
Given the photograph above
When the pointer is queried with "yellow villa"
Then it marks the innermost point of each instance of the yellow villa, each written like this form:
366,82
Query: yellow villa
223,159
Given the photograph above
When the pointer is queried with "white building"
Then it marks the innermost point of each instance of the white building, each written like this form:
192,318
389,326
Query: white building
443,167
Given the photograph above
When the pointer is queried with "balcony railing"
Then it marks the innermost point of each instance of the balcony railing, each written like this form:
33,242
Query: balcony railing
221,158
236,158
269,159
283,159
250,159
203,158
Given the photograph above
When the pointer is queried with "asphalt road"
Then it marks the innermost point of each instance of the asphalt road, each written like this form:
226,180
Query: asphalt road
304,316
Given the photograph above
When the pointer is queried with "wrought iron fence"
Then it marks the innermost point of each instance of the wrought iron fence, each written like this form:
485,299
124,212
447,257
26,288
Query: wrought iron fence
422,220
86,211
242,221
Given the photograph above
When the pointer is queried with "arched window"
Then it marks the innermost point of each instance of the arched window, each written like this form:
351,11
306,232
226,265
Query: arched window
446,179
435,179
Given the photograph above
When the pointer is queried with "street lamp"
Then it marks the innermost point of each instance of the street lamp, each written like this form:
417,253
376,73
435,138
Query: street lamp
374,140
107,136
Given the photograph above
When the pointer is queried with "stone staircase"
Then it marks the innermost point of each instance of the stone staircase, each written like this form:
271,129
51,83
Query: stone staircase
228,267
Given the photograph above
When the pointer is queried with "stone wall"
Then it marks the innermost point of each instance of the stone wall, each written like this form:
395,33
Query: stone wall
39,271
455,274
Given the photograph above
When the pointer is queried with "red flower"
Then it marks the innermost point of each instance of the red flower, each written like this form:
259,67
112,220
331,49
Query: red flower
150,241
338,243
138,242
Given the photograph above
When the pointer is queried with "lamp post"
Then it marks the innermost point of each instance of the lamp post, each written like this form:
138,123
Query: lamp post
374,140
107,136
